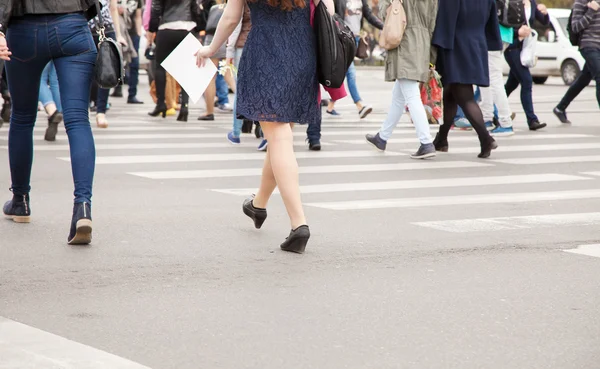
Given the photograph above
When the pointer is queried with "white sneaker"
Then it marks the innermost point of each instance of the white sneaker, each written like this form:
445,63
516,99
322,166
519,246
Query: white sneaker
226,108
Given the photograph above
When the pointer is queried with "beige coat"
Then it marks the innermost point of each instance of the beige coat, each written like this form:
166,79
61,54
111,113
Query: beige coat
411,60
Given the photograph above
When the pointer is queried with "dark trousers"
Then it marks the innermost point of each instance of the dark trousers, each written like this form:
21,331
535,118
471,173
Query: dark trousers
591,71
166,41
134,67
520,75
34,41
100,95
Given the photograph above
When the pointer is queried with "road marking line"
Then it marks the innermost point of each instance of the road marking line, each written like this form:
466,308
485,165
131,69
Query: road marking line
159,145
549,160
323,169
512,223
422,183
22,346
499,198
140,159
469,139
588,250
529,148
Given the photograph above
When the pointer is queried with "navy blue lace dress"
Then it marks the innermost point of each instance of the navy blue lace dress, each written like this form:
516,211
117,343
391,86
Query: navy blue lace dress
277,76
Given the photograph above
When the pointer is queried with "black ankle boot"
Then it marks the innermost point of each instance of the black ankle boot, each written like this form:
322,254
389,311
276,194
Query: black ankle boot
81,225
297,240
258,215
440,144
53,123
183,114
18,209
159,110
486,148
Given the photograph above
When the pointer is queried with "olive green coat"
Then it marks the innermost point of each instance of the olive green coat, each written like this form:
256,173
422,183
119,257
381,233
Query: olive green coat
411,59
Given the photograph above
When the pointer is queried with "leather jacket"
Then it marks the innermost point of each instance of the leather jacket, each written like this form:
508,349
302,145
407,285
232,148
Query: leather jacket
165,11
18,8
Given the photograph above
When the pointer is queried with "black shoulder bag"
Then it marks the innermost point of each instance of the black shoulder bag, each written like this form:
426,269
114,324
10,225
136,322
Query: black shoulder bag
336,47
109,70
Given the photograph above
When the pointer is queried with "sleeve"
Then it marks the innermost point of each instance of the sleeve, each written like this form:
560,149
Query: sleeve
445,28
371,18
5,12
146,15
492,30
543,19
582,16
431,27
155,15
233,40
340,8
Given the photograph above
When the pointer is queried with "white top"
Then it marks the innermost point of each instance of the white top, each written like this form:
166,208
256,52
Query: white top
179,25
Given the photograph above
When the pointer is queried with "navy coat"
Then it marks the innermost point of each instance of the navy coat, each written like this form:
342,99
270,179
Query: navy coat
535,15
465,31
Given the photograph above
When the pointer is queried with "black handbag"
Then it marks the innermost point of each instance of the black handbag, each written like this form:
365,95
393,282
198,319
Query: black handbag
110,69
336,47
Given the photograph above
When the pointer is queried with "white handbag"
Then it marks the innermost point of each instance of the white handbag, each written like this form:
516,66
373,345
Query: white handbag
528,53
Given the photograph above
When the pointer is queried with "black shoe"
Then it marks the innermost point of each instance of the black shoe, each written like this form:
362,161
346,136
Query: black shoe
53,123
314,146
81,225
440,145
5,113
535,125
18,209
159,110
118,92
297,240
258,215
209,117
258,130
377,142
183,114
134,100
487,147
561,115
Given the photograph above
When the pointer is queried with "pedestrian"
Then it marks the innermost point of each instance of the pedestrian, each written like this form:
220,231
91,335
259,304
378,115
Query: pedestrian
406,66
36,35
464,33
586,22
133,15
354,12
171,21
495,96
519,74
110,14
50,99
277,88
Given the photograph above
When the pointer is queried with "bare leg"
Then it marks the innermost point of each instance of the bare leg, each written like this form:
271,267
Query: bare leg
285,169
50,109
267,184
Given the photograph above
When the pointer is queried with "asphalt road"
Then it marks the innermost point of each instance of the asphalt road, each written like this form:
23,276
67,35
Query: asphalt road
454,262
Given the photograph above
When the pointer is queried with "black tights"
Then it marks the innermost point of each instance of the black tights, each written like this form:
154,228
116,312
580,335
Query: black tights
456,95
166,41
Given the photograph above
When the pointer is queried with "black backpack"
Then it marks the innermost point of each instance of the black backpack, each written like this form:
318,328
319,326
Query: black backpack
575,38
336,47
511,13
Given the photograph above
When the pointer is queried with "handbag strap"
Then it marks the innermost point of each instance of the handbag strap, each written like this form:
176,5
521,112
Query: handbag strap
100,29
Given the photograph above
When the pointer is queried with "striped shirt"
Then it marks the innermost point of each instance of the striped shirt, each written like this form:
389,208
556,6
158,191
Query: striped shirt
586,20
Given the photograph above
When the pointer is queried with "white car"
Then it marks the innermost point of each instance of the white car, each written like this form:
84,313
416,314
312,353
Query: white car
556,56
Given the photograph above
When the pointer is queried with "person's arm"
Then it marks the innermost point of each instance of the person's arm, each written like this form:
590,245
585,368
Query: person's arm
155,15
492,30
5,12
583,13
232,41
232,15
116,18
146,15
541,14
371,18
431,28
445,28
138,21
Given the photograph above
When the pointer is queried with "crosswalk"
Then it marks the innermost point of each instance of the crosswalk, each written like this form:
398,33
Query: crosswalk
348,175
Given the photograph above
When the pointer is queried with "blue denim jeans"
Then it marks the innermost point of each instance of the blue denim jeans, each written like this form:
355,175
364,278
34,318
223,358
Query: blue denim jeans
222,90
134,68
237,123
351,80
34,41
49,91
520,75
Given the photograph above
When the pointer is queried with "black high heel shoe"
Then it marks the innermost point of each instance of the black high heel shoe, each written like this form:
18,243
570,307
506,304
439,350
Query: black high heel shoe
297,240
183,114
487,147
440,145
159,110
258,215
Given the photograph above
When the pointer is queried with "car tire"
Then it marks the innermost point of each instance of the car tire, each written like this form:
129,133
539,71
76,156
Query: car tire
569,71
540,80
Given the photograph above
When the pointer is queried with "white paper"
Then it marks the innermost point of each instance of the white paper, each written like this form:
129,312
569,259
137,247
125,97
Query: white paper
181,65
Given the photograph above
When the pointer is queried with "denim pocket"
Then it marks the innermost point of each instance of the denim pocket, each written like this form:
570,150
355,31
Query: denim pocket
74,38
23,43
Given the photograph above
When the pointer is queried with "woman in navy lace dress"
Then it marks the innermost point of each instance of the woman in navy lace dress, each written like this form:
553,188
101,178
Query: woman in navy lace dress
277,85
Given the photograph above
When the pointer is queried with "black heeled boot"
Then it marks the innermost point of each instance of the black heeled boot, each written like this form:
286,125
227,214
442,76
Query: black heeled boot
440,145
183,114
159,110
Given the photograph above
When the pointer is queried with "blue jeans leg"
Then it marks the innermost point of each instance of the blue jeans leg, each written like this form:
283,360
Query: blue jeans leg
237,123
45,92
134,68
351,80
520,75
222,90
